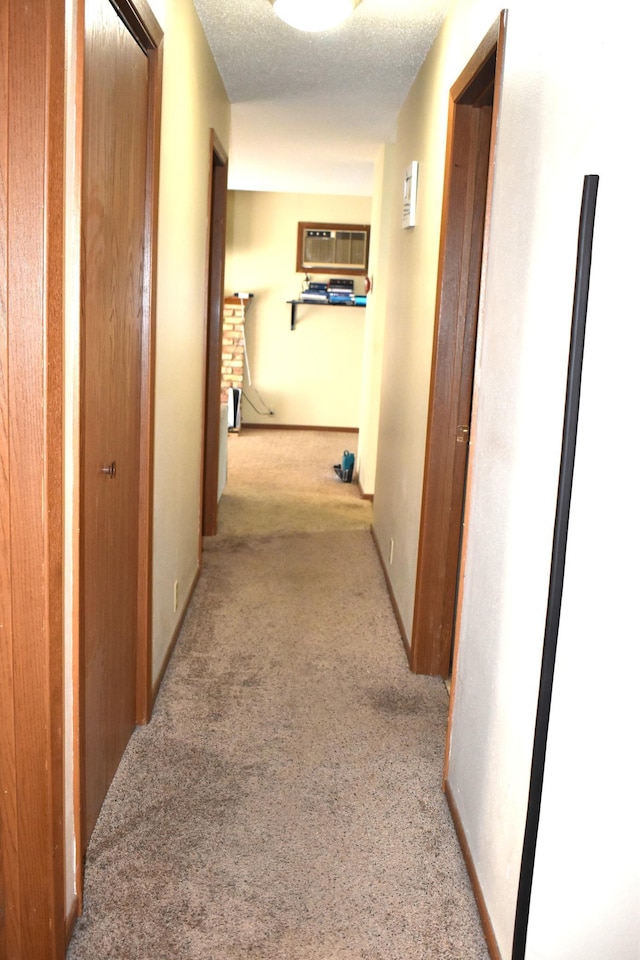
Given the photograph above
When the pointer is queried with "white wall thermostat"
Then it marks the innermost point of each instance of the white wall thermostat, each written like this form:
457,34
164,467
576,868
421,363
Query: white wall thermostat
410,195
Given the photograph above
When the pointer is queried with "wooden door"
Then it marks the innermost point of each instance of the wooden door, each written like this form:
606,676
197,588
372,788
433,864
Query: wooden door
115,141
217,233
468,173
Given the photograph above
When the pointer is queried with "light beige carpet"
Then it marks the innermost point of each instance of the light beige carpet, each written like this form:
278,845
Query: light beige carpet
283,481
285,802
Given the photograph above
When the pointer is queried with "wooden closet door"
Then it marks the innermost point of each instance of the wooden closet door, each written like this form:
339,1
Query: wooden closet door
113,233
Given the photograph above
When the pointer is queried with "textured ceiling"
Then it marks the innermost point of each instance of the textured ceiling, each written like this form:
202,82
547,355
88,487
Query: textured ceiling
310,109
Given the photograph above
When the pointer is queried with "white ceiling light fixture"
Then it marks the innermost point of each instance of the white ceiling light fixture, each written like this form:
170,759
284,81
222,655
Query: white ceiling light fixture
314,15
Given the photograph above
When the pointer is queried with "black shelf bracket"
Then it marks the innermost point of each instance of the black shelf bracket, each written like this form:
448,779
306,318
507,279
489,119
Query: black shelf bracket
312,303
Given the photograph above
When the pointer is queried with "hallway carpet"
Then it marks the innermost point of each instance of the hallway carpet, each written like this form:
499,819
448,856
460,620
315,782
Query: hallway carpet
285,802
282,481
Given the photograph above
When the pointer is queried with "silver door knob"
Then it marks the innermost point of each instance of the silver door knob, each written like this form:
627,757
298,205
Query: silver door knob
110,470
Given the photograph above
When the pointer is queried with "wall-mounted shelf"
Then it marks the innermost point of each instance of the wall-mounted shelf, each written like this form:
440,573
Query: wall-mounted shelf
318,303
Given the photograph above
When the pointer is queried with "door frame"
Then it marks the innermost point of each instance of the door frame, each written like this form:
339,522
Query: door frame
32,51
141,23
471,139
213,336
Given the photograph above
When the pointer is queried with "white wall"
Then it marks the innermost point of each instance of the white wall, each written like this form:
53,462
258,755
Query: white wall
411,258
311,376
375,321
194,102
586,894
563,79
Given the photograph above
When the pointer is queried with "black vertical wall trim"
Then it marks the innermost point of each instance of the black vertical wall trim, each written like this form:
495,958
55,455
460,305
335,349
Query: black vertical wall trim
574,377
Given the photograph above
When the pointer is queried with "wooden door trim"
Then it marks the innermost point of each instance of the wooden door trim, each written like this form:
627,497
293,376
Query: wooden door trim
143,25
213,336
500,48
439,542
31,479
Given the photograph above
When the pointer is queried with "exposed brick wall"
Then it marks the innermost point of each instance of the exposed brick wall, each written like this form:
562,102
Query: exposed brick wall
232,372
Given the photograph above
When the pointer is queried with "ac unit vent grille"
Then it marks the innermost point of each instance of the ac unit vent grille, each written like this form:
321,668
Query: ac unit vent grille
335,249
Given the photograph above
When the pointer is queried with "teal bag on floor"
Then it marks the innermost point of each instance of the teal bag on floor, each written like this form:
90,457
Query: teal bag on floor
345,470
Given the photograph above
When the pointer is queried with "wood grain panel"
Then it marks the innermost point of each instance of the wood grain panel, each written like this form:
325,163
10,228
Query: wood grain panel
213,353
463,366
31,325
451,386
9,879
113,277
149,35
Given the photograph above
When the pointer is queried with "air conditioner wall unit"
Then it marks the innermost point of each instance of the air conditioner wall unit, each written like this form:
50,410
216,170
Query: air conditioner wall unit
333,248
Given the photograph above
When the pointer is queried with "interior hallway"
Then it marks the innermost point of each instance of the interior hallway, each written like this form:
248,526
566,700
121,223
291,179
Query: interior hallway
285,801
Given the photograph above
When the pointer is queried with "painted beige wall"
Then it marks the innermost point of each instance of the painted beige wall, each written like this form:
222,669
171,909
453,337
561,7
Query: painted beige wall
409,289
559,121
194,101
375,320
311,376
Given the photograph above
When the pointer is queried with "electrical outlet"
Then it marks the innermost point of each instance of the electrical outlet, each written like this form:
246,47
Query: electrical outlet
175,596
390,551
